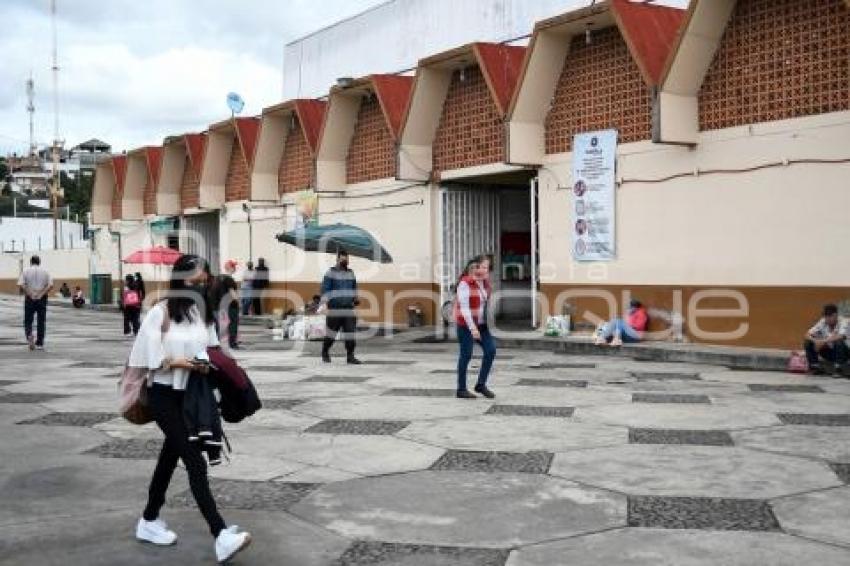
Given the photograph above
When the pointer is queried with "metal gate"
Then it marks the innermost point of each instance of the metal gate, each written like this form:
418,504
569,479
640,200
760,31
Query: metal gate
469,225
199,236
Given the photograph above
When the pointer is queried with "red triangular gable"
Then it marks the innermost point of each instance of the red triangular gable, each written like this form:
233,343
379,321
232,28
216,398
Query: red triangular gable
650,32
311,114
393,93
153,157
501,66
248,130
195,148
119,169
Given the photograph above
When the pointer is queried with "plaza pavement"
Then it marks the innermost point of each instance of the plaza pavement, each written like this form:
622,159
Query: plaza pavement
579,460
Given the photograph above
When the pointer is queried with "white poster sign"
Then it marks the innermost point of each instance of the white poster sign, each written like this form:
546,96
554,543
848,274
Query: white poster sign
593,195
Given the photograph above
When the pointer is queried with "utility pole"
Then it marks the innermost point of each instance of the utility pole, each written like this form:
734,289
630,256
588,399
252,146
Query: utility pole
57,143
31,111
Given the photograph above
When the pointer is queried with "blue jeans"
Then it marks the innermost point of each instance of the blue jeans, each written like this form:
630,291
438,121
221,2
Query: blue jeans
467,342
619,327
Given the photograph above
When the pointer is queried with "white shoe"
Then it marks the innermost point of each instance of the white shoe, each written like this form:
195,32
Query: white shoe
229,542
155,532
617,342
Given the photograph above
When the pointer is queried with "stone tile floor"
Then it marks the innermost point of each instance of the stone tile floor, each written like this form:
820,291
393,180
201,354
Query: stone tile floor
578,461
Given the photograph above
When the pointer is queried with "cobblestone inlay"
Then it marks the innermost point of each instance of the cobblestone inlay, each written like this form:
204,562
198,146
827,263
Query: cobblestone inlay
71,419
7,382
364,427
454,370
250,495
472,461
96,365
272,368
761,387
671,436
558,365
388,362
805,419
552,382
705,513
128,448
660,376
337,379
670,398
281,404
374,553
530,411
30,397
842,471
418,392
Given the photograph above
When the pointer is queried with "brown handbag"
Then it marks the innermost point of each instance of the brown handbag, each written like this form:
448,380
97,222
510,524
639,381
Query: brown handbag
133,389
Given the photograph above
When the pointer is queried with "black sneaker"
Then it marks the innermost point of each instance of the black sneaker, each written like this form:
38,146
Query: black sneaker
817,370
326,358
829,367
482,389
354,361
465,394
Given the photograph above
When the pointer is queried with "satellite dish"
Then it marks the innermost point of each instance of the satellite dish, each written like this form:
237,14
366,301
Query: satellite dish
235,103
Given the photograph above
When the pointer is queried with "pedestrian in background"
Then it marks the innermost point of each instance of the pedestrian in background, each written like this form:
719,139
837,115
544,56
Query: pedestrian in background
261,283
247,288
473,296
140,286
36,284
131,305
339,295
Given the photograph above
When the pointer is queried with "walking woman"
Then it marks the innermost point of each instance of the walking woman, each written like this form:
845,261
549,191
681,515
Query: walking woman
173,338
473,295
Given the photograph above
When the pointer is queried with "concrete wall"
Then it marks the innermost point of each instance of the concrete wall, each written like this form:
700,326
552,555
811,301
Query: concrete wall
415,29
756,232
71,266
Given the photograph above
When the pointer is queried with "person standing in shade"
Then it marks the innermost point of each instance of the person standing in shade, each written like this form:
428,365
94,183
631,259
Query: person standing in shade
174,336
473,295
36,284
247,288
140,286
339,296
261,282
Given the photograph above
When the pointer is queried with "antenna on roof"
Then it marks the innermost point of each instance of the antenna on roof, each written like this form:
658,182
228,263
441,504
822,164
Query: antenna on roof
235,103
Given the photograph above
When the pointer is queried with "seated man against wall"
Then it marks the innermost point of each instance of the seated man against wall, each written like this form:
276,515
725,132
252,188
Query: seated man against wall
619,330
827,341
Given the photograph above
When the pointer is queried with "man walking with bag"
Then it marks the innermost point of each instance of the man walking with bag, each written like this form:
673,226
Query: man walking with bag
339,295
36,284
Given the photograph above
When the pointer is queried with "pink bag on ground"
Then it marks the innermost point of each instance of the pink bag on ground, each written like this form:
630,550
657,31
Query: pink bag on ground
797,363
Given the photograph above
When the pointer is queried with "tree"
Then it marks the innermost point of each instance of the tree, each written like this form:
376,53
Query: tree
78,192
4,169
7,190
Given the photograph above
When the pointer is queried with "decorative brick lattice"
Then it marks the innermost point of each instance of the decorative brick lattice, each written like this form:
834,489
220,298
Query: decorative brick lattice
296,165
600,87
778,59
471,132
236,182
149,196
190,190
117,200
372,151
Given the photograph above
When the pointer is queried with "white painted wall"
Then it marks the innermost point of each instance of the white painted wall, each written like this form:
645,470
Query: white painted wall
33,234
63,265
781,226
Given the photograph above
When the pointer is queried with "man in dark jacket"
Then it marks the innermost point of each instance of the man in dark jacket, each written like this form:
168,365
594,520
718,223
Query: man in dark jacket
339,294
259,284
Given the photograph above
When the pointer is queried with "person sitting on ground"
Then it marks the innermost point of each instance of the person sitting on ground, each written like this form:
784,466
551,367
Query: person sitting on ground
65,291
78,300
631,329
827,341
313,306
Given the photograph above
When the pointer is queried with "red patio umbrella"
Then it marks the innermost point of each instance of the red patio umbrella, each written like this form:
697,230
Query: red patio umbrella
157,255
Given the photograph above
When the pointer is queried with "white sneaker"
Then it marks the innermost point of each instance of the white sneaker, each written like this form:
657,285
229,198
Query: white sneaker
229,542
155,531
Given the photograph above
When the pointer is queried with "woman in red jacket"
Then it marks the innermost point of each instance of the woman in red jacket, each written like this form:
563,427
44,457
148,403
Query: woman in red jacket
631,329
473,294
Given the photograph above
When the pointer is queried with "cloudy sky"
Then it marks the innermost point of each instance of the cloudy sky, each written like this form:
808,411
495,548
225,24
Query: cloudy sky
135,71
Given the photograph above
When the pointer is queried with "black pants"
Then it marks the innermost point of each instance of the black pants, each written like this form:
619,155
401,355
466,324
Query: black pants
837,354
132,319
233,325
257,302
38,310
345,321
166,404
